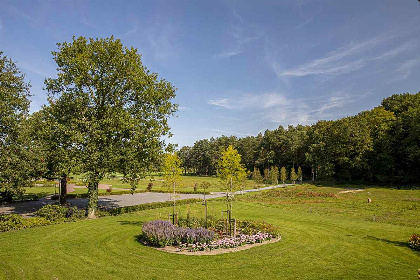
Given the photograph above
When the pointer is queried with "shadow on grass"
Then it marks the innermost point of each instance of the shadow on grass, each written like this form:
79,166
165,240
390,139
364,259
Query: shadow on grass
133,223
396,243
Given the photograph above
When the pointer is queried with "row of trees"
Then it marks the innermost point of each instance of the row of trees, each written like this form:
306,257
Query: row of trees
380,145
272,175
106,113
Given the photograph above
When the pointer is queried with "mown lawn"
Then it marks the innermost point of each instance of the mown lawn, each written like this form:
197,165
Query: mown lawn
325,235
187,184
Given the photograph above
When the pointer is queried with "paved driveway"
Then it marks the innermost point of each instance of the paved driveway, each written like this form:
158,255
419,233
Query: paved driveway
111,201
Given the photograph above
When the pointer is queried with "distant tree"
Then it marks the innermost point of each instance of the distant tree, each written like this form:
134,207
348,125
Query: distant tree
283,174
274,175
267,177
293,175
256,175
231,172
118,109
300,175
185,153
172,175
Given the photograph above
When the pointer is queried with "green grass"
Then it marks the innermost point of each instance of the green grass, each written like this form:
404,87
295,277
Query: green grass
325,235
187,184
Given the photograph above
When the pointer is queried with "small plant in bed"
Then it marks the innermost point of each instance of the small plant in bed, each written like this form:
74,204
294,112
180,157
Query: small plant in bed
195,237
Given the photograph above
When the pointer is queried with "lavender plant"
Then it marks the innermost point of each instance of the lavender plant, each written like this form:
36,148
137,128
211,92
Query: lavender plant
162,233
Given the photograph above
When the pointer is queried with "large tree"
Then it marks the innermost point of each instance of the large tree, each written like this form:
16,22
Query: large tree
20,160
119,109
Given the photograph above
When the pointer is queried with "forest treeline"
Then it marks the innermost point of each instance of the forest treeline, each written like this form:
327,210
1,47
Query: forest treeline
381,145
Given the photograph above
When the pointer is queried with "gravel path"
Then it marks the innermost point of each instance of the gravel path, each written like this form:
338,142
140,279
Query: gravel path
111,201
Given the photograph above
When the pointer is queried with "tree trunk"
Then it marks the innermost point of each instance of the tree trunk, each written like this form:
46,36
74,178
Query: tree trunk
92,207
63,191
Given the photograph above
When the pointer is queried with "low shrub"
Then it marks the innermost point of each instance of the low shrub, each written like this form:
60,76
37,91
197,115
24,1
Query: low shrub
57,213
15,222
146,206
414,241
162,233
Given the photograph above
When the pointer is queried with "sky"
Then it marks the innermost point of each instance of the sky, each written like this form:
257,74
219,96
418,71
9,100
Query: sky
240,67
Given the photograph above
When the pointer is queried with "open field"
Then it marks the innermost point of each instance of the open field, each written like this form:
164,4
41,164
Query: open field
187,184
326,234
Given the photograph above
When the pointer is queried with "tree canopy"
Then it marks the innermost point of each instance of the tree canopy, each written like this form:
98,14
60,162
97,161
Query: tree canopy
115,107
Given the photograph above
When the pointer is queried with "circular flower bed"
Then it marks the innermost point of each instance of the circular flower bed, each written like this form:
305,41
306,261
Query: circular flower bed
161,233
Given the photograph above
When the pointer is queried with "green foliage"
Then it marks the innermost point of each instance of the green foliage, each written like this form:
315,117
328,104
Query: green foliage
293,175
274,175
172,171
231,171
47,215
146,206
283,174
56,213
16,222
256,175
114,106
267,177
20,157
300,174
414,241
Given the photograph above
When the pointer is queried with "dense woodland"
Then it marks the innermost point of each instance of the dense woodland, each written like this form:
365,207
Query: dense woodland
381,145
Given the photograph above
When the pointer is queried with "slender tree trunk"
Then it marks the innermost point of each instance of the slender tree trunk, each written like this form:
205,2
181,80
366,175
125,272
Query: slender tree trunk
173,209
92,207
63,183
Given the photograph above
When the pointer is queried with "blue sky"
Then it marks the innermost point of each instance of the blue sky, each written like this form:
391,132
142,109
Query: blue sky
240,67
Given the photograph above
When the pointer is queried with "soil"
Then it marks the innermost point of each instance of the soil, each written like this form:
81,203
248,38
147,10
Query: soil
175,250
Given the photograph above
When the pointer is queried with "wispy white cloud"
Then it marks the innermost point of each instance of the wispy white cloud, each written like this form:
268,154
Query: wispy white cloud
344,60
86,22
398,50
36,70
240,34
221,102
266,100
405,69
184,108
19,13
228,54
334,62
277,108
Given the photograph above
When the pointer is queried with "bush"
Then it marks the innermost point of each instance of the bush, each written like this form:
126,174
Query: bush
149,187
15,222
146,206
53,213
414,241
162,233
57,213
253,227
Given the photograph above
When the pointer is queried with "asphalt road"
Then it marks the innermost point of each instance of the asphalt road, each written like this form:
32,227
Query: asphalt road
111,201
